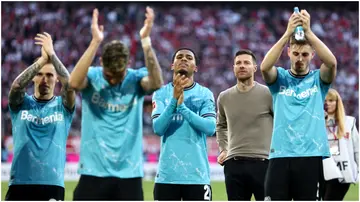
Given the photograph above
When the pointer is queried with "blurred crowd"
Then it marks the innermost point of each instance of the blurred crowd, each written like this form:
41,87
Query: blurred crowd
214,31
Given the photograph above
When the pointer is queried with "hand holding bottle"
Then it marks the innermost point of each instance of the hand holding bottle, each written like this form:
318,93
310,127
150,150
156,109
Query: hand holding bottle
294,22
299,30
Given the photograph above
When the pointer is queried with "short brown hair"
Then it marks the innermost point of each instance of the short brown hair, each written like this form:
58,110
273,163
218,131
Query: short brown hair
293,41
246,52
114,54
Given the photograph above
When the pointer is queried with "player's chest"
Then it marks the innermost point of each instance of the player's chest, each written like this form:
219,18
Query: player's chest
121,94
300,85
299,90
42,115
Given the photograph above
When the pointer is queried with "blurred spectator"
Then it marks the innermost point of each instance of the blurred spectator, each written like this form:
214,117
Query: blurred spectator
4,151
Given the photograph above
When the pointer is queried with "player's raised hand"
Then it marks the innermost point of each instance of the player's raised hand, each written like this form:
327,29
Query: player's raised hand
177,88
96,30
305,18
179,84
46,42
294,21
148,23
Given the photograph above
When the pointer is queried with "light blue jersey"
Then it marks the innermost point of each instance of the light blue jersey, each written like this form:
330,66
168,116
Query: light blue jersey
40,130
183,130
299,123
111,133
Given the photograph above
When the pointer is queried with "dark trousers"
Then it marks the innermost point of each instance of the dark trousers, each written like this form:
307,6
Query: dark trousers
245,177
334,190
108,188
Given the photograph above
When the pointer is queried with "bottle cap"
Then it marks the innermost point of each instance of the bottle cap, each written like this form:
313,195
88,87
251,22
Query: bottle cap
296,9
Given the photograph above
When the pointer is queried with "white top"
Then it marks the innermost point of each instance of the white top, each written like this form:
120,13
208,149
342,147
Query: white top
344,161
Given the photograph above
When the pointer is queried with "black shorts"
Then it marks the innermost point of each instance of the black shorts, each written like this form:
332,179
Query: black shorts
108,188
244,177
30,192
295,178
185,192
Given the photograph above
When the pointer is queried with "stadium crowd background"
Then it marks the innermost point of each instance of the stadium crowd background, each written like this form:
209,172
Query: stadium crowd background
214,30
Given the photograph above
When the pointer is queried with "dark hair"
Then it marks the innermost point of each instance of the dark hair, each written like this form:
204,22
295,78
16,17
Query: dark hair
114,54
196,58
246,52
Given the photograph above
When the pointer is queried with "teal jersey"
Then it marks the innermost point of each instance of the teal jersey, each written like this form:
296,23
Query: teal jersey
40,130
111,132
299,124
183,156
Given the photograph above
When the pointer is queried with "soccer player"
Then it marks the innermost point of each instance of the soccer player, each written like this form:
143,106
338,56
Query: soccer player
183,115
111,155
243,131
299,140
41,124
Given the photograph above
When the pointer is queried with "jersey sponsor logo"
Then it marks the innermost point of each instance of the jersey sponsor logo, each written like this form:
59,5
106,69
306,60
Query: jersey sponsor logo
56,117
98,100
302,95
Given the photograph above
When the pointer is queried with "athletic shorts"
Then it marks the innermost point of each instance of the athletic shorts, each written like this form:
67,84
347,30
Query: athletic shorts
30,192
108,188
294,178
185,192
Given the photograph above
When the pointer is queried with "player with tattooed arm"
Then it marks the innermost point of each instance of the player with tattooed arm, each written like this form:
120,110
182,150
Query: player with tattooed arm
111,154
41,124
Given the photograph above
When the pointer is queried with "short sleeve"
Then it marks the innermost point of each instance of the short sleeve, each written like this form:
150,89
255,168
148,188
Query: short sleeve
26,101
208,106
158,104
92,74
323,86
274,87
141,73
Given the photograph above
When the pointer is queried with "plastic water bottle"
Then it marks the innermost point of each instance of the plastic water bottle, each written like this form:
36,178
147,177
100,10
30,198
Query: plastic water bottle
299,30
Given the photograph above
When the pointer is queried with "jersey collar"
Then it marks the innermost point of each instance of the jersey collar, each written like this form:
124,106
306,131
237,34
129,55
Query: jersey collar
43,101
298,76
186,88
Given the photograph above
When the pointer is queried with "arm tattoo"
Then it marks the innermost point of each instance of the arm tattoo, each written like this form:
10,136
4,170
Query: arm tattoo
153,66
68,96
17,90
67,93
59,67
